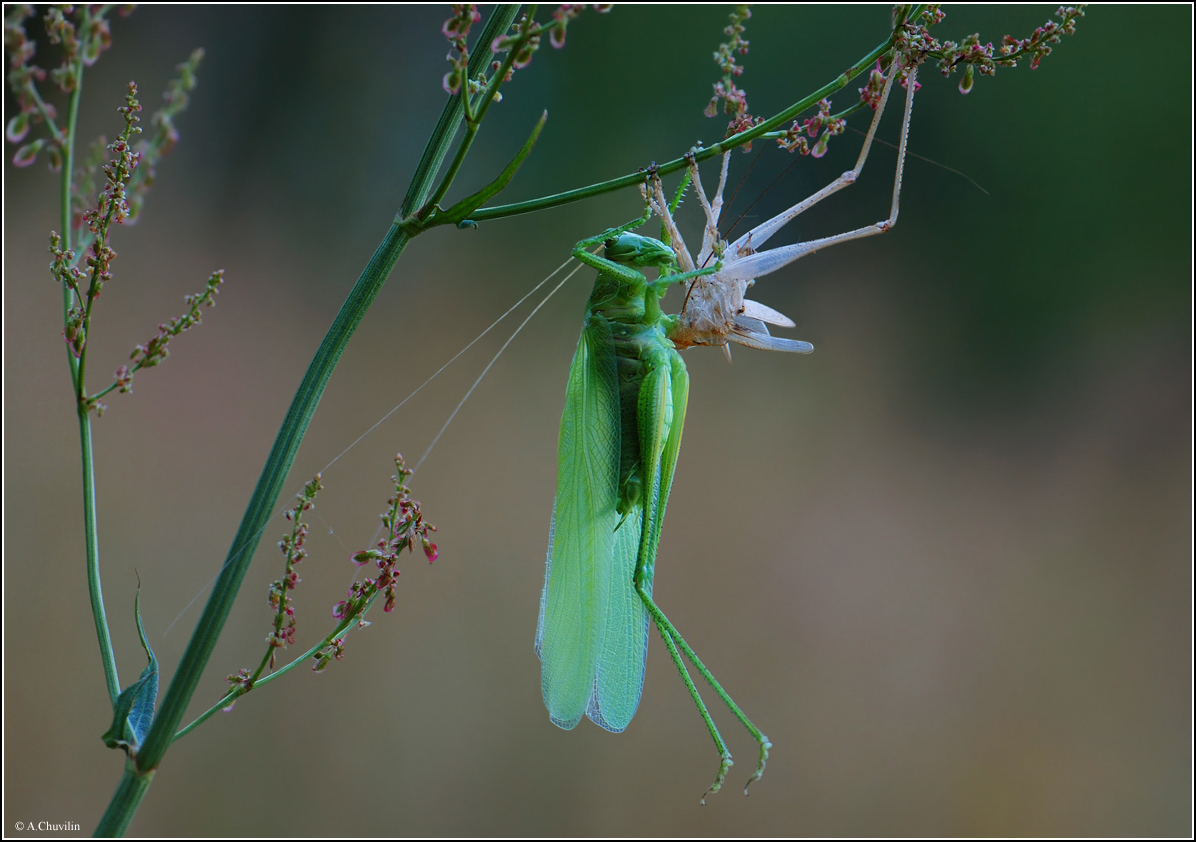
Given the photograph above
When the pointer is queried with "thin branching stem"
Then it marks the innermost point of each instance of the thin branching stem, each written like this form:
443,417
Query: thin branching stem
341,629
475,113
95,589
699,155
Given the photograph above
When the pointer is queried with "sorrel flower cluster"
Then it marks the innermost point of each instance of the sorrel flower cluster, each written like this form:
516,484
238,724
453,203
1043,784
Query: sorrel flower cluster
112,206
291,546
82,40
405,528
522,42
795,137
915,42
83,34
914,45
732,97
83,254
155,350
456,30
820,128
282,632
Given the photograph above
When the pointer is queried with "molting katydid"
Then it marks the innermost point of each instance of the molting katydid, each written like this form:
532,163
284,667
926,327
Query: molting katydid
621,433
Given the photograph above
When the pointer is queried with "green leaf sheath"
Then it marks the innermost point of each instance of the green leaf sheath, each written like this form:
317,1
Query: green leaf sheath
133,711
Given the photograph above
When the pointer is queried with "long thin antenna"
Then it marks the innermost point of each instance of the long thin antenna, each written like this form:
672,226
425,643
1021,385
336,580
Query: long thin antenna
930,161
494,324
491,364
397,406
743,180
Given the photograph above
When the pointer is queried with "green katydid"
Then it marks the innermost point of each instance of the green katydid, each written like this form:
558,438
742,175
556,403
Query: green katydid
620,436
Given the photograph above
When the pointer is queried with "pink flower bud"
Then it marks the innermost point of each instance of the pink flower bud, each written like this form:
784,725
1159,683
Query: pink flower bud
17,128
965,84
27,154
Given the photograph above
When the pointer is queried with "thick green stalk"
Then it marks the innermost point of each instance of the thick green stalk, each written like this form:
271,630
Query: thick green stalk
265,495
257,514
261,505
125,800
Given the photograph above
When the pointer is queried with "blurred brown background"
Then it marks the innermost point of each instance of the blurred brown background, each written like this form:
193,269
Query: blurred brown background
944,562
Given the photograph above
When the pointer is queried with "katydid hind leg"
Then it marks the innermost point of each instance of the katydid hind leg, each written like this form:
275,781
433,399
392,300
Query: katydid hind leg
655,417
663,623
669,451
724,754
662,419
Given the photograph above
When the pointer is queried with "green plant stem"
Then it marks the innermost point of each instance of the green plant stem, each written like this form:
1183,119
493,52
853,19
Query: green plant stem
474,116
123,805
262,503
95,589
442,136
699,155
260,509
237,692
94,585
257,514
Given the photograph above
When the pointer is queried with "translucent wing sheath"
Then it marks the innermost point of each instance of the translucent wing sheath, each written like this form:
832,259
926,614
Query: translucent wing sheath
593,631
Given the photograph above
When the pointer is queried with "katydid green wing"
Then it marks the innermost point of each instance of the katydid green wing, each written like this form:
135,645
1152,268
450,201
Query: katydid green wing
577,582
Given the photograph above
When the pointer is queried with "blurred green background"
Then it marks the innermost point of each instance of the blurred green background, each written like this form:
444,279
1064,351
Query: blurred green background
943,562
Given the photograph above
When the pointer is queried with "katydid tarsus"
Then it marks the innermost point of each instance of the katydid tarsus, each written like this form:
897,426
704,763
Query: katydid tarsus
620,436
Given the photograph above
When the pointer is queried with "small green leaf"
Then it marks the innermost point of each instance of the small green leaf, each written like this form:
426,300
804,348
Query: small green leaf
463,209
134,709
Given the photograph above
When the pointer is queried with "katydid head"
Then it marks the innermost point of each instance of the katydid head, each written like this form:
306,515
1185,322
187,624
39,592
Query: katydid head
637,250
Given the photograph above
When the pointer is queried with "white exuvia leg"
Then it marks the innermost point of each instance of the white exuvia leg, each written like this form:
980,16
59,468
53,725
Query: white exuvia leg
712,209
762,263
715,310
761,233
660,207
